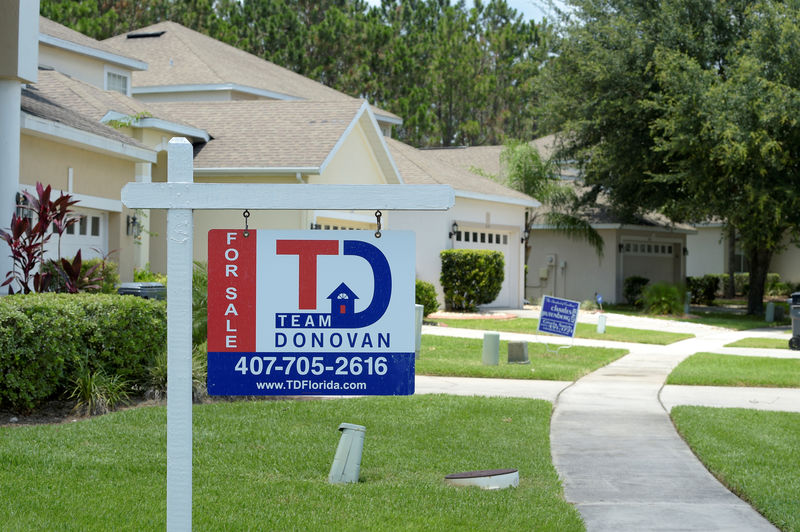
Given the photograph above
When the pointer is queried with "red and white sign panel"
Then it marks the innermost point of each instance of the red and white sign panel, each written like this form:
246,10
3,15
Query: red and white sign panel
310,312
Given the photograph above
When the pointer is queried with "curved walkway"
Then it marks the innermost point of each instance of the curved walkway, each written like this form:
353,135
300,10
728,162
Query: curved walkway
619,457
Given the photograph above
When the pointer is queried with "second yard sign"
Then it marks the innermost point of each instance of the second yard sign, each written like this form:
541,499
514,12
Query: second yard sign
310,313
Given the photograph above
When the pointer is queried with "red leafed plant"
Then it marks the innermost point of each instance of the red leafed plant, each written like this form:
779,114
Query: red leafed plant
75,282
27,239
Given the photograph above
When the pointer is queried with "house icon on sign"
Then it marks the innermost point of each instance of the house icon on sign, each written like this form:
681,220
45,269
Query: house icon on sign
342,301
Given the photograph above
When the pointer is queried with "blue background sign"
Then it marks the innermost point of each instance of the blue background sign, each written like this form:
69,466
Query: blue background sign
559,316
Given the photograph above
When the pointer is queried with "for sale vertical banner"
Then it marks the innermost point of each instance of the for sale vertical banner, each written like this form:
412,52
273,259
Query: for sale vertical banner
232,307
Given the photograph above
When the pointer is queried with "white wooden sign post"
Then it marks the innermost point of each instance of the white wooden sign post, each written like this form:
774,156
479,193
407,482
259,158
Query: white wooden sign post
180,196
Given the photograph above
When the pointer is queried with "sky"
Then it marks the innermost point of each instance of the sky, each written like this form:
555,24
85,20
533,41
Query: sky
530,9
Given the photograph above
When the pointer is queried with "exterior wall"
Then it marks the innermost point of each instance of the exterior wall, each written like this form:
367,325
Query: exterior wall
80,67
94,175
787,264
432,228
353,164
562,267
706,251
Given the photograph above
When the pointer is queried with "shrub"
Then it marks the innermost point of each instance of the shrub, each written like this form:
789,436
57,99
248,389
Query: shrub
703,289
471,277
147,276
663,298
199,303
45,340
632,289
96,393
425,295
741,283
105,270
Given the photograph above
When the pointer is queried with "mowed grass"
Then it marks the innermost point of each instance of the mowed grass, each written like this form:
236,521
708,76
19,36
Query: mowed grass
709,369
463,357
264,465
583,330
728,320
753,452
761,343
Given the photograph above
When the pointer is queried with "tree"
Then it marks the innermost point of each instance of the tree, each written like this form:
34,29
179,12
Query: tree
676,106
526,171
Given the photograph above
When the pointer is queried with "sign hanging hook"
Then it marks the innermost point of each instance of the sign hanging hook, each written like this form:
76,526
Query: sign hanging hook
246,215
378,218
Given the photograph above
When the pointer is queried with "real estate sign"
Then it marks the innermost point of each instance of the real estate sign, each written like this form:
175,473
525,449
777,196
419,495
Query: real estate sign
310,313
558,316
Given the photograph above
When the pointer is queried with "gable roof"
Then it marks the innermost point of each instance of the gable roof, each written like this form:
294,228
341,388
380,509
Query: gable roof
54,34
103,106
182,59
424,167
43,117
264,137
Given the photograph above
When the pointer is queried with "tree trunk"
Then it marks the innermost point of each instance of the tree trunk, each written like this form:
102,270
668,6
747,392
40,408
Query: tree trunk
759,267
730,289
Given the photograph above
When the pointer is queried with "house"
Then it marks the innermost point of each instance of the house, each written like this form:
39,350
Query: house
100,114
486,215
563,267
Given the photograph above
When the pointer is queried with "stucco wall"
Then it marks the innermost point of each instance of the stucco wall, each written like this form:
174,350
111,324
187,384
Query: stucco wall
571,269
80,67
432,228
787,263
706,252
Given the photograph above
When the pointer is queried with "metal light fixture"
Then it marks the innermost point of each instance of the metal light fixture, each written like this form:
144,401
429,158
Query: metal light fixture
525,235
453,230
621,247
685,251
133,227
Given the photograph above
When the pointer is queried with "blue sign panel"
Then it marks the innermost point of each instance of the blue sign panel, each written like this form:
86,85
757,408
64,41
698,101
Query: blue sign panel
559,316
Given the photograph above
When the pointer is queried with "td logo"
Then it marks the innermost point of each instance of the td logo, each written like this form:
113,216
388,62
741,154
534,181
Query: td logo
342,299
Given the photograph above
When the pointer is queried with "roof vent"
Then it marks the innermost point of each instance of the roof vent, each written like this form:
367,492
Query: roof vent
146,35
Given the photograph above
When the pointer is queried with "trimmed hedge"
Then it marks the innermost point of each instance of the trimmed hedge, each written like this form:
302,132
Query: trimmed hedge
425,295
632,289
704,289
44,337
471,277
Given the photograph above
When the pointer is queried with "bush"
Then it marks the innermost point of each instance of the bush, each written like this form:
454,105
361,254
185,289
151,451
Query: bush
663,298
45,340
147,276
741,283
107,271
199,303
703,289
632,289
425,295
471,277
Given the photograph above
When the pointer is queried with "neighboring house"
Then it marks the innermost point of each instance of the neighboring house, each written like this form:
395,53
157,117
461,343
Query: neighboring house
557,265
488,215
708,254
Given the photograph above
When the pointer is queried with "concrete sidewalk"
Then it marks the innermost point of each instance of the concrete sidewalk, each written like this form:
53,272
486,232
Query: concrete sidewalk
619,457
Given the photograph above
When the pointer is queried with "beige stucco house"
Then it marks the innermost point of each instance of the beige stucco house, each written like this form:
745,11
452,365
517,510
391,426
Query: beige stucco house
100,115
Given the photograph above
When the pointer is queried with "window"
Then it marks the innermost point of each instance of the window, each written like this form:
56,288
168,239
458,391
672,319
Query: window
117,82
95,226
82,226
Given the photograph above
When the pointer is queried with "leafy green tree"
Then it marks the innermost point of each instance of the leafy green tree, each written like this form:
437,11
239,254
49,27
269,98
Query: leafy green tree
683,106
527,171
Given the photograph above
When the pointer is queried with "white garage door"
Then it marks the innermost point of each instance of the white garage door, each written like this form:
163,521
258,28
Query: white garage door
494,240
90,235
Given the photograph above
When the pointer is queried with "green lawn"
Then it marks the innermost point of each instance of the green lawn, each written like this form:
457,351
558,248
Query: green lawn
583,330
462,357
263,466
709,369
753,452
729,320
765,343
